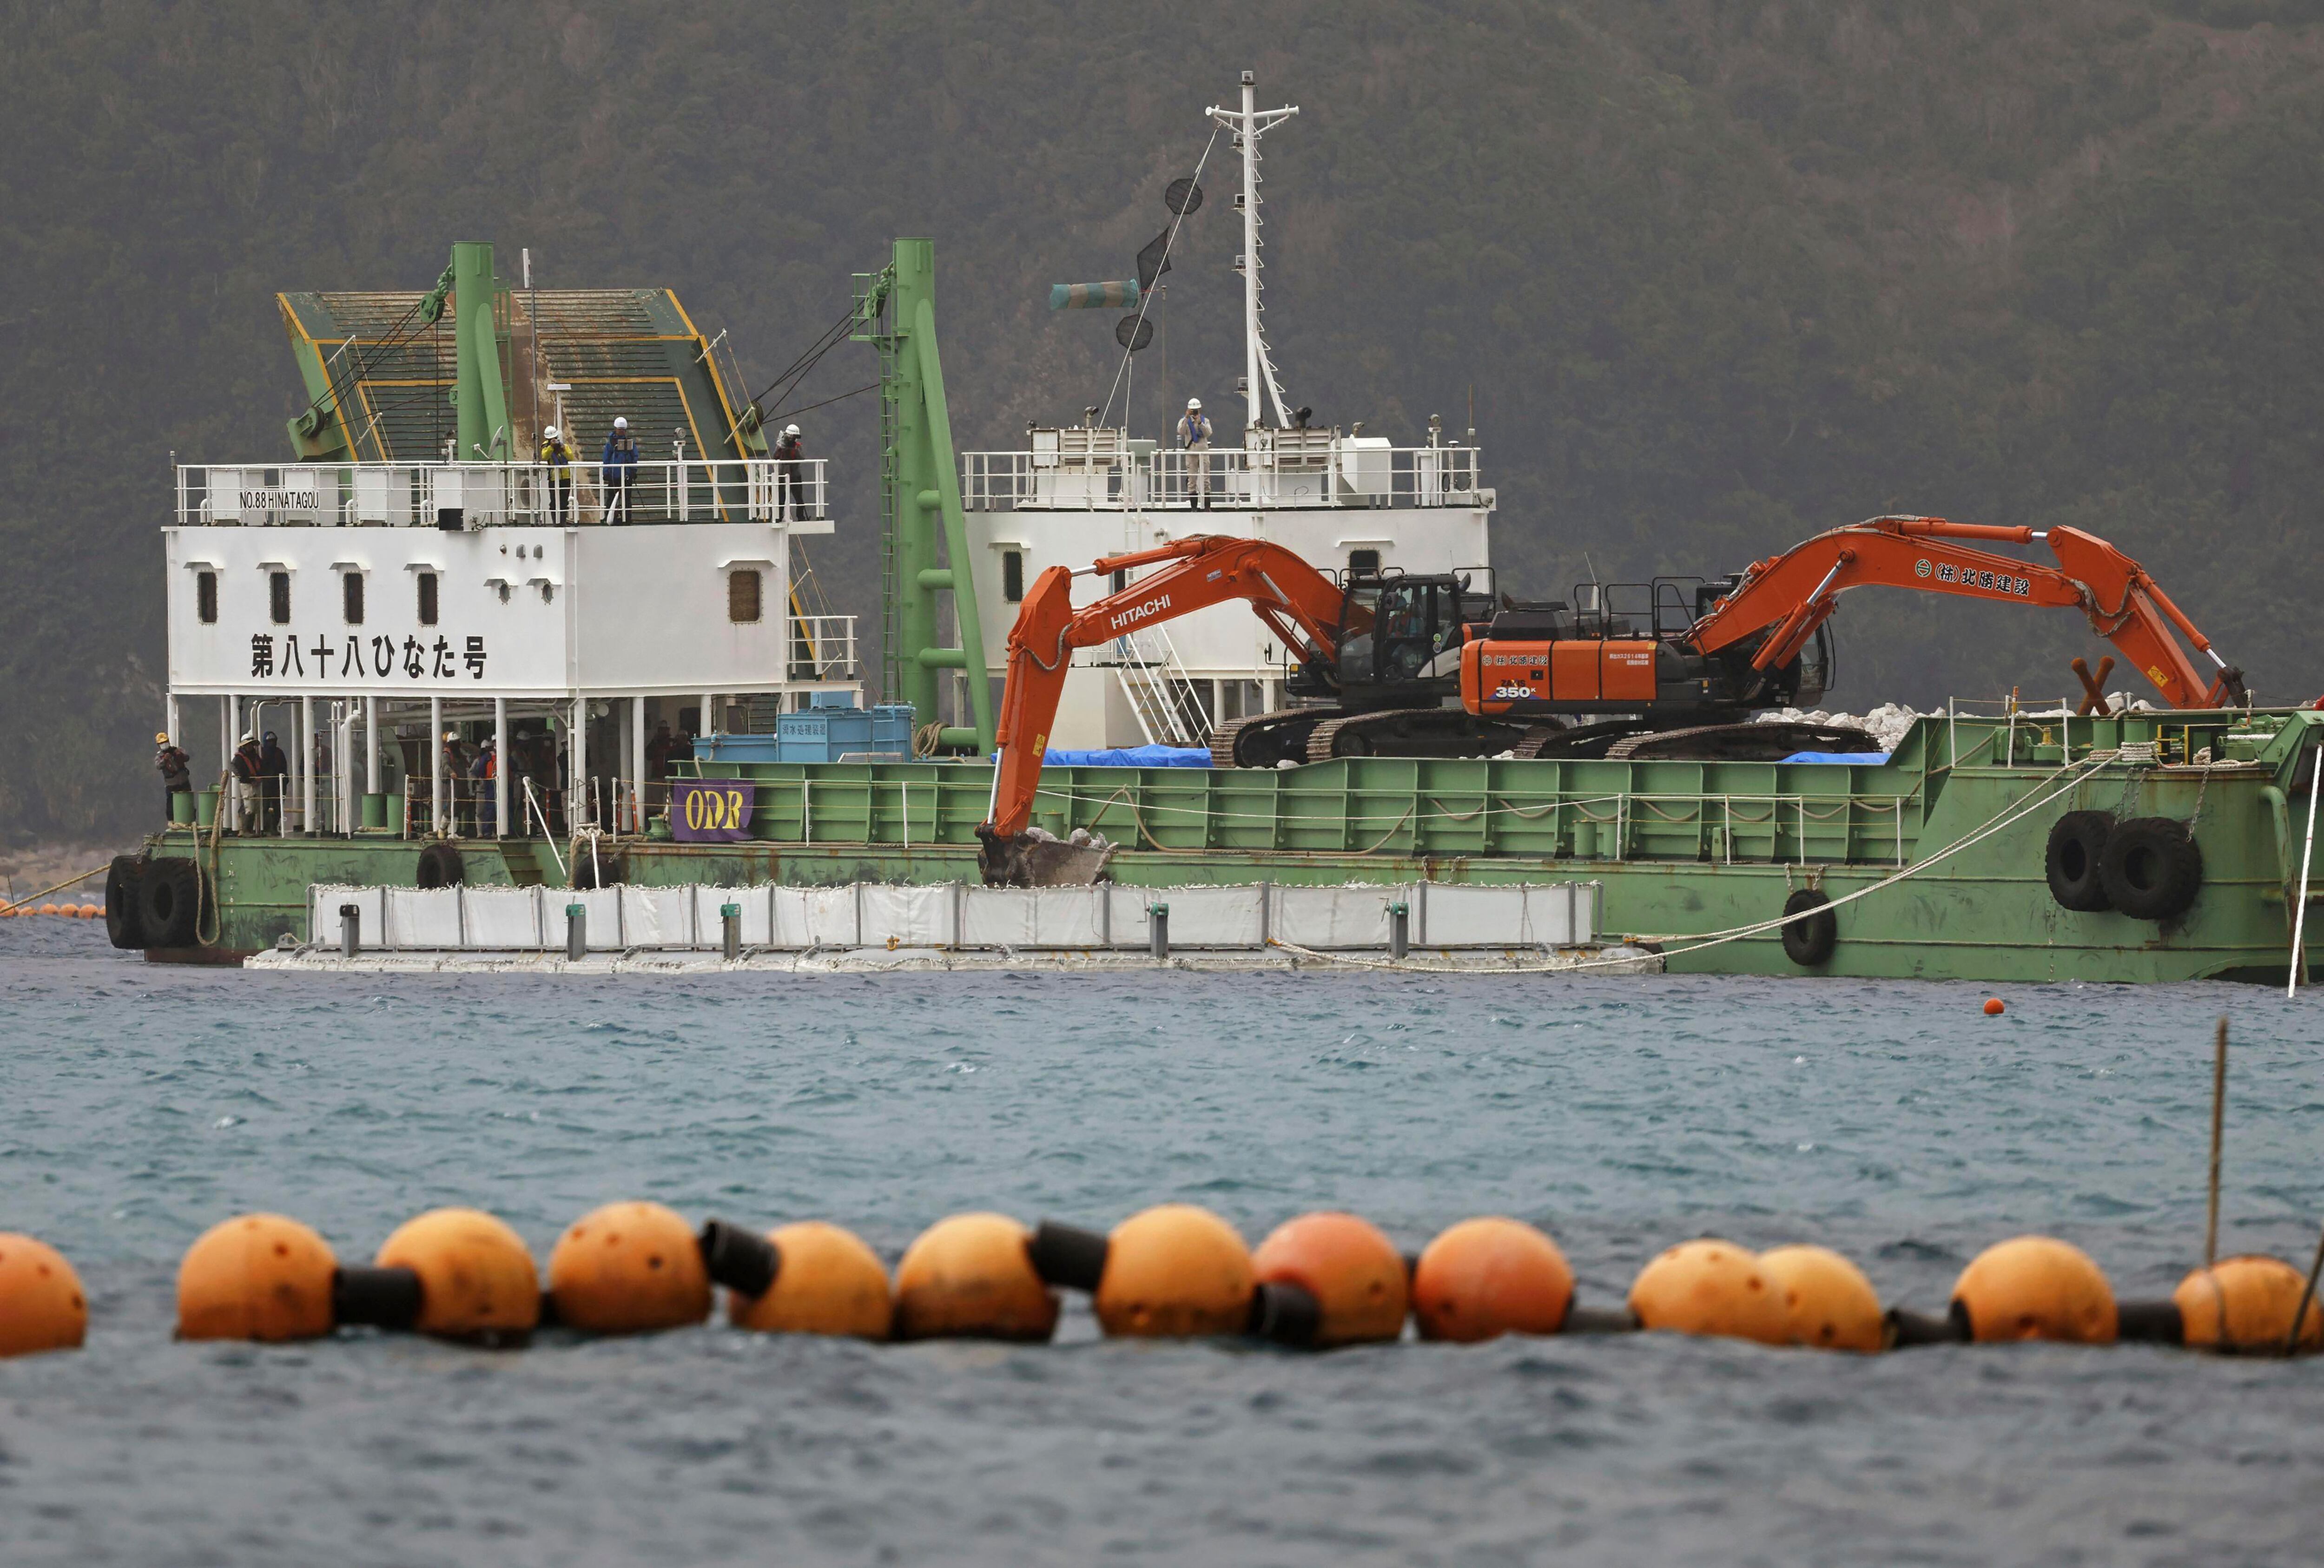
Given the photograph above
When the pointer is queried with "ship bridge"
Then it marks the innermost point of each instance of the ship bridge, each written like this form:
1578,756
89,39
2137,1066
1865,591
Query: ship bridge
1342,500
416,567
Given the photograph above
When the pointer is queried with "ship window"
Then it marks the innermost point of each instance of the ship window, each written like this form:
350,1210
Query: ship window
427,598
1363,560
1013,575
278,597
206,597
742,594
351,597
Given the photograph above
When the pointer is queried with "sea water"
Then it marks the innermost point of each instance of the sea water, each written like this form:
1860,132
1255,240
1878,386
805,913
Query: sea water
1897,1122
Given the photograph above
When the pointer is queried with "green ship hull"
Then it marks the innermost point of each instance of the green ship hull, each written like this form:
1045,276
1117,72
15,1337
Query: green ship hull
1945,841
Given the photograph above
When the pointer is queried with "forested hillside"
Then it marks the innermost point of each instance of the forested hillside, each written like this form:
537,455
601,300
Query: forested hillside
1716,275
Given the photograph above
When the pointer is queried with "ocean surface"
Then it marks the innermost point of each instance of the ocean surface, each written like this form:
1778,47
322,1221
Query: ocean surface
140,1104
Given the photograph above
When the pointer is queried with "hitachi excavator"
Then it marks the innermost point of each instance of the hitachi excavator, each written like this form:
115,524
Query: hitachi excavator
1397,664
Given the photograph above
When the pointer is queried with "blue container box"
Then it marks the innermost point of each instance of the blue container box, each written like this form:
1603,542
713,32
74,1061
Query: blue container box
891,727
736,749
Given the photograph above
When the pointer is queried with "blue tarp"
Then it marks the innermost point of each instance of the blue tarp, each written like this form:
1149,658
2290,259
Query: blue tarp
1131,757
1868,759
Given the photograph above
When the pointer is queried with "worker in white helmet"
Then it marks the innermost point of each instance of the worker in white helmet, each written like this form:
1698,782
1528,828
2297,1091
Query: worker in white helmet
557,459
615,468
790,476
1194,436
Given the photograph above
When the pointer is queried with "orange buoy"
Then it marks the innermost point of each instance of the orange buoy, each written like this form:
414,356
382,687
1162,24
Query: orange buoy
1828,1304
477,1277
826,1282
41,1305
969,1277
47,909
1485,1277
2245,1304
629,1268
1993,1008
256,1277
1710,1287
2036,1288
1175,1272
91,911
1353,1274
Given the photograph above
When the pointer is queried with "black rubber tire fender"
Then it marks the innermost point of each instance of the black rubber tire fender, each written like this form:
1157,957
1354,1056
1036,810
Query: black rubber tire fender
169,902
441,866
2071,859
124,919
2152,868
1810,942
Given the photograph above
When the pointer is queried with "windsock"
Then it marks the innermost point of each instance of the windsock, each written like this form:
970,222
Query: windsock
1122,295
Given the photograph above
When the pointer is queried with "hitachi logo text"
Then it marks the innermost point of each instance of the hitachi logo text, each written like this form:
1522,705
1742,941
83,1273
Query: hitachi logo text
1146,612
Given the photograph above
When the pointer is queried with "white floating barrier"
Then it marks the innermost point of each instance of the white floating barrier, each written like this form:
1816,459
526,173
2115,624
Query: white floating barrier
958,917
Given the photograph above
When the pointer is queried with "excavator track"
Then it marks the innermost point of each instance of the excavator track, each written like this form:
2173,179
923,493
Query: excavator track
1739,742
1264,740
1411,733
1585,743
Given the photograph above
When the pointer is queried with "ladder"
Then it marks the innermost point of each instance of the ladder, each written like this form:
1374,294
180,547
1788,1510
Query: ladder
1161,692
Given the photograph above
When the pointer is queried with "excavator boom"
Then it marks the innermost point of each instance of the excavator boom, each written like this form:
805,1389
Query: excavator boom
1788,597
1300,605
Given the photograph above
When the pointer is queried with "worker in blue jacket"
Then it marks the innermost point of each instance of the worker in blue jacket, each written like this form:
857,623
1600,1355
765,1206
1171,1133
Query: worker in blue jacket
615,468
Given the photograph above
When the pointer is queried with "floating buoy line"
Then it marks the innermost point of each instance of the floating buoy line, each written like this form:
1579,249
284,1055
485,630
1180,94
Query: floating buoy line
1175,1271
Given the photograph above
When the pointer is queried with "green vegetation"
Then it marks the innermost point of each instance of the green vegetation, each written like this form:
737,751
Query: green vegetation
1716,274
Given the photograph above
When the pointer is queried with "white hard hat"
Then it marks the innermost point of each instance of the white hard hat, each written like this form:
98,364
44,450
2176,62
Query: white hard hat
451,734
1194,403
790,430
550,433
621,424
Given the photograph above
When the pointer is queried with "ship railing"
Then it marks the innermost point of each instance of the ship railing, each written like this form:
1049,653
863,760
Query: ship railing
471,495
822,648
1347,474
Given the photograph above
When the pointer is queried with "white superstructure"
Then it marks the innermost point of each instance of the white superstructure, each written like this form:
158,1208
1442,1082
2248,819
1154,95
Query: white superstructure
359,610
1340,499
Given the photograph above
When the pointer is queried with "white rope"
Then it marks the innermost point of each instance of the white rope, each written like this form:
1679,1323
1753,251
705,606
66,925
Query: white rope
1697,942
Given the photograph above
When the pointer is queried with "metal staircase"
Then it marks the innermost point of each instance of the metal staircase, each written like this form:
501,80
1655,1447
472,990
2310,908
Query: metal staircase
1161,692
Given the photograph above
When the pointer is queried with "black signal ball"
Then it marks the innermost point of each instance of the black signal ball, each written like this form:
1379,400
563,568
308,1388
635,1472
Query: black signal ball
1133,332
1183,197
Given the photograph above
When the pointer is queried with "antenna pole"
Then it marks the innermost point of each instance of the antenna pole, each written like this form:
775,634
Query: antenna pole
1248,124
1250,139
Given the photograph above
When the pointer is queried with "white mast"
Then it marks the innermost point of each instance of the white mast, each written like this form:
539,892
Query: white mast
1248,125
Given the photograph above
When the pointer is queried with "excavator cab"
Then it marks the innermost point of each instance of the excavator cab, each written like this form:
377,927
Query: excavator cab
1394,628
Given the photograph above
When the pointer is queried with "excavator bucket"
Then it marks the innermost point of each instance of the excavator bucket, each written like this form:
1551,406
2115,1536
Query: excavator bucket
1021,861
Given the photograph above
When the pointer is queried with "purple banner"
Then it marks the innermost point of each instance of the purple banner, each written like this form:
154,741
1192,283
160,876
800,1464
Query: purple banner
710,810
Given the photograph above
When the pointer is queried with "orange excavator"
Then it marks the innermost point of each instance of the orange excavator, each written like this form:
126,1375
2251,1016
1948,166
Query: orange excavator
1421,666
1758,639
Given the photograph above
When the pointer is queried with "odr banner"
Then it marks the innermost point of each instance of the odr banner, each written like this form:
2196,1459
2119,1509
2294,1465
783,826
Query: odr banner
710,810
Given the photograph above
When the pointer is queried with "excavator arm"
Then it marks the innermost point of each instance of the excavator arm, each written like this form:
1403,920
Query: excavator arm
1788,597
1300,605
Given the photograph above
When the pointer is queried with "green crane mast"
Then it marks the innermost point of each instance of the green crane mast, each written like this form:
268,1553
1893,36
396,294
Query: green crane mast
919,499
479,399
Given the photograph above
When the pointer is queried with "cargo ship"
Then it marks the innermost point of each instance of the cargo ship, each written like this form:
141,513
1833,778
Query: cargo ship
471,633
